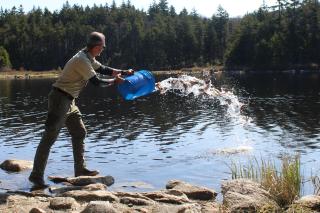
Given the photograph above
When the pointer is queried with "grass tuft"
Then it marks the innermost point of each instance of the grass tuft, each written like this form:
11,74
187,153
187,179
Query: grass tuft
283,184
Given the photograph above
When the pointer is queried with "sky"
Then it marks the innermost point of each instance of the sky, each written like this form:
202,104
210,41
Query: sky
205,8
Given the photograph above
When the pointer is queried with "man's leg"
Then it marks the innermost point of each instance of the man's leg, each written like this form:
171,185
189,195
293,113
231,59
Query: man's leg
78,133
58,108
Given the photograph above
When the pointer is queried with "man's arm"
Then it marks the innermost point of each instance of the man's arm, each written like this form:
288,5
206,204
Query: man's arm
95,80
105,70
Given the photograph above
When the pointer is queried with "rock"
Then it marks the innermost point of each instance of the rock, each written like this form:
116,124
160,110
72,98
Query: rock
136,201
99,207
130,198
37,210
3,198
62,203
310,201
211,207
90,187
192,192
16,165
165,198
185,208
131,194
84,180
243,195
91,195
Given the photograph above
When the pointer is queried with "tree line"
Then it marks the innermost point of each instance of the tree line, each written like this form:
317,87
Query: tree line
282,36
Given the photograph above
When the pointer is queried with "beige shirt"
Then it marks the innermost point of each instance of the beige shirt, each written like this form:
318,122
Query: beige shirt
76,73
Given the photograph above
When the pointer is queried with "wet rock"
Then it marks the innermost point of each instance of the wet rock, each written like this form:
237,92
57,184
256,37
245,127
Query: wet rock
91,195
58,203
37,210
192,192
310,201
99,207
16,165
3,198
135,184
165,198
83,180
243,195
90,187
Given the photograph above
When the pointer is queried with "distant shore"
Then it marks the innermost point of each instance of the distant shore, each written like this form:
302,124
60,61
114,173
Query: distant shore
24,74
29,74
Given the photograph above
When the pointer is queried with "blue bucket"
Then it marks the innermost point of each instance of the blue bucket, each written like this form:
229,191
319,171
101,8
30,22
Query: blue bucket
137,85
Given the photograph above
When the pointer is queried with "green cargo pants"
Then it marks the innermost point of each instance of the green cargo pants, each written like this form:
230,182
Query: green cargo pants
61,110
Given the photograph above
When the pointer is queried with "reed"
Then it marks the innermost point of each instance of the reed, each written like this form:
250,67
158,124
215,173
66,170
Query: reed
284,184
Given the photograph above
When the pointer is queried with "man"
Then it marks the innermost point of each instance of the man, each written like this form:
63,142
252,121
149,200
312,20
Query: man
80,69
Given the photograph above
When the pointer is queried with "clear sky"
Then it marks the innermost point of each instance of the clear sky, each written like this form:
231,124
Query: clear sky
203,7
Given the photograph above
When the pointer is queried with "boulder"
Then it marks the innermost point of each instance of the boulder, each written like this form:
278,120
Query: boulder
83,180
16,165
310,201
58,203
90,187
91,195
99,207
243,195
192,192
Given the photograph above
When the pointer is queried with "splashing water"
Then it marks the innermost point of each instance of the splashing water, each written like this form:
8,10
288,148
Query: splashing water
185,85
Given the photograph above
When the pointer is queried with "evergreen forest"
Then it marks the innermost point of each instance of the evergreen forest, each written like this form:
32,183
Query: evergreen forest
277,37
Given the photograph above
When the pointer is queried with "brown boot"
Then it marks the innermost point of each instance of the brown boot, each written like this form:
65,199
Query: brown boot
86,172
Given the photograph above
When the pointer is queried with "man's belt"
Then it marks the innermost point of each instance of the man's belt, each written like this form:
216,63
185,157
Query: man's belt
70,97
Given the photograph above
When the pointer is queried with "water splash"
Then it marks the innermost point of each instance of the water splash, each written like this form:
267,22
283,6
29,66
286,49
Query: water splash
185,85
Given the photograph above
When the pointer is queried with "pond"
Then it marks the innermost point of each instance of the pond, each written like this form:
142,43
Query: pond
146,142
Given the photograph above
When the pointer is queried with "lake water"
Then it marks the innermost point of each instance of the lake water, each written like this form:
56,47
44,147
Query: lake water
146,142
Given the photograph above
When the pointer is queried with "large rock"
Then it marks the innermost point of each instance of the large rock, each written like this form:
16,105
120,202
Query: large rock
91,195
99,207
16,165
63,203
193,192
243,195
310,201
90,187
84,180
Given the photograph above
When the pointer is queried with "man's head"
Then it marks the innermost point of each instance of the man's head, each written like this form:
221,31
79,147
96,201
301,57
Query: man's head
96,43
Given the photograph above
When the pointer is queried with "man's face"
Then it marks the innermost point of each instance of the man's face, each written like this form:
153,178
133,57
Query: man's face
97,50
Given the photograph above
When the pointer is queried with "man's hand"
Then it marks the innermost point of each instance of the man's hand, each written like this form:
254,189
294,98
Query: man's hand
130,72
127,72
119,79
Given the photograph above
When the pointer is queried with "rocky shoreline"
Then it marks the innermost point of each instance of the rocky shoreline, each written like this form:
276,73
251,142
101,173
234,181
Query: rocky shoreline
91,195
